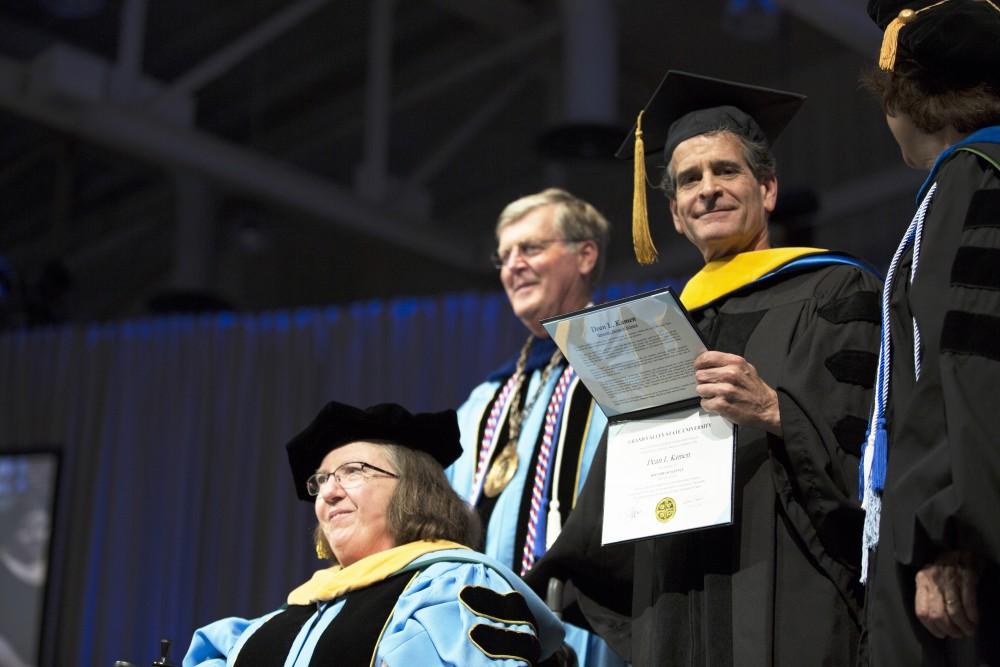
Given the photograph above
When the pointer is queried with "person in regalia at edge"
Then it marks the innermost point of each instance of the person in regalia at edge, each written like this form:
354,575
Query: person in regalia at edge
405,589
792,335
932,460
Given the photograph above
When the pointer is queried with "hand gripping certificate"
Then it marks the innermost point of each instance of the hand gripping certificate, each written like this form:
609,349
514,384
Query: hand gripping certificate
670,463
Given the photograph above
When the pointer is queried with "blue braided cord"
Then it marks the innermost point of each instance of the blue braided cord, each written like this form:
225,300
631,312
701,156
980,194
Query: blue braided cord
876,445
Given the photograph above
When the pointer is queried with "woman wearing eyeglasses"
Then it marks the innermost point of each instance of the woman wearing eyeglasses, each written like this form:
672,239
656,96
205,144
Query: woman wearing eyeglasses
404,588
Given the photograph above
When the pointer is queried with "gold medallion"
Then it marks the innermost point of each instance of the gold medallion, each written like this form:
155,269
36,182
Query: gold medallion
502,471
666,509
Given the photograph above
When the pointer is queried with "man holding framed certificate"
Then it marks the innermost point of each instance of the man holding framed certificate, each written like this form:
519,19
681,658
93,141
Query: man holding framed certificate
790,337
669,460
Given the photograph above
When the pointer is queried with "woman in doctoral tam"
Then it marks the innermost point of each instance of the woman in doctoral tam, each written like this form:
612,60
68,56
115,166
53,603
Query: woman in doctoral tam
404,589
931,470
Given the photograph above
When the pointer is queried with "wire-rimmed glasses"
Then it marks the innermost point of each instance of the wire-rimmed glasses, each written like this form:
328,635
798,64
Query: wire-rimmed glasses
348,475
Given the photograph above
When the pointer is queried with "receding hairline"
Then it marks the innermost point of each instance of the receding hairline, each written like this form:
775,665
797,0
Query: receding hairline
520,209
758,157
740,140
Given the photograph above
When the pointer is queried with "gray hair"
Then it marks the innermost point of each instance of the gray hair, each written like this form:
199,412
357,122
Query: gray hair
758,156
575,219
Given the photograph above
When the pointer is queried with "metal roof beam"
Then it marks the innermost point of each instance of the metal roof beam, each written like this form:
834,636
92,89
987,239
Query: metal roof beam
223,60
488,110
348,124
142,135
500,16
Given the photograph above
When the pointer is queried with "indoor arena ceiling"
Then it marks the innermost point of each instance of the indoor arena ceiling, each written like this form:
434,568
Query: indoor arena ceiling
261,154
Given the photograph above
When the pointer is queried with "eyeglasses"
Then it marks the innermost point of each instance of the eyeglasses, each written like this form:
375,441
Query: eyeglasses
525,249
348,476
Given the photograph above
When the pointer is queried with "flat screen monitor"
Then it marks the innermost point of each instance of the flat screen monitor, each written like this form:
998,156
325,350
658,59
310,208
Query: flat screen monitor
28,482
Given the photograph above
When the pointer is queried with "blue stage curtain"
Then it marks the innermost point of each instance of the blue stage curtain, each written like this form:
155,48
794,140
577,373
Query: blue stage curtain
175,505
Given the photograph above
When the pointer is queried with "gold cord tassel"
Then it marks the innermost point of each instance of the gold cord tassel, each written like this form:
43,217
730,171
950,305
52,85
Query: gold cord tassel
890,40
323,551
642,242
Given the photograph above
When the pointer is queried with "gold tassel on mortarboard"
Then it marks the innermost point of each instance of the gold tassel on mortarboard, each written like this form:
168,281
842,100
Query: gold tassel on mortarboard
642,242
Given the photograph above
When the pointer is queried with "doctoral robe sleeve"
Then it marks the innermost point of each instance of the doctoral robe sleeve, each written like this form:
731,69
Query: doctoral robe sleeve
824,395
212,644
465,614
947,498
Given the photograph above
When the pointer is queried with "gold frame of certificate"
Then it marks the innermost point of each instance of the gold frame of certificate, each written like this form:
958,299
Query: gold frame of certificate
670,465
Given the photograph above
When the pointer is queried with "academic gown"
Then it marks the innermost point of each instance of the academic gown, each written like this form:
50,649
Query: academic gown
576,430
942,486
424,603
778,586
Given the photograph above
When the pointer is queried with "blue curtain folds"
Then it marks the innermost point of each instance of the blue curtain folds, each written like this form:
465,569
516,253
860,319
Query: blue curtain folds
175,506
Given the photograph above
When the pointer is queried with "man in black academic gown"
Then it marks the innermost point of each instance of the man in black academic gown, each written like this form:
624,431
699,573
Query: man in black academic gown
792,334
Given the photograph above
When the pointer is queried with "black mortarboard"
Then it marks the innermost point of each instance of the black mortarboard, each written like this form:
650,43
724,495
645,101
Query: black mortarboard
951,41
338,424
686,105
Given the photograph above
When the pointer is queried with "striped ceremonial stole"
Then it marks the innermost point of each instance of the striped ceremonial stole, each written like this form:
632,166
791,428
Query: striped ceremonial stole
570,416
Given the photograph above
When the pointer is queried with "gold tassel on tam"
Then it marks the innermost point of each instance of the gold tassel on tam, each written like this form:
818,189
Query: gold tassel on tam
323,551
890,40
642,242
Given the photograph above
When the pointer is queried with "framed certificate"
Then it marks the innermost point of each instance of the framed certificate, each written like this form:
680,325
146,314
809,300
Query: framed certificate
670,463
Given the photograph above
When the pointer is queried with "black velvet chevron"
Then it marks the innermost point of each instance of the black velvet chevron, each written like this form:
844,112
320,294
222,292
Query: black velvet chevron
984,210
499,643
272,642
509,608
850,433
971,333
734,331
976,267
858,307
853,367
349,641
